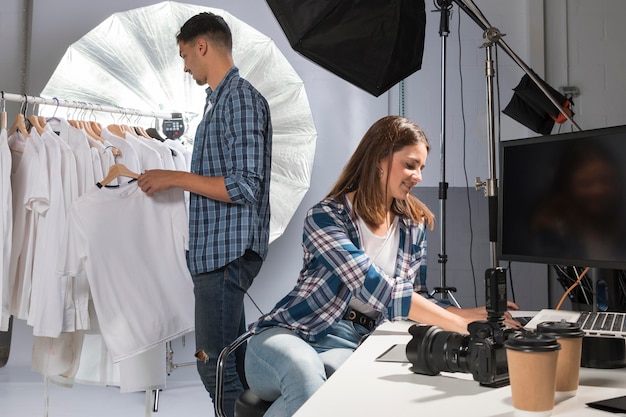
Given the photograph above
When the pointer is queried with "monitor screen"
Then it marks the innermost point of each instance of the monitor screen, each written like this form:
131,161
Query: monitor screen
562,199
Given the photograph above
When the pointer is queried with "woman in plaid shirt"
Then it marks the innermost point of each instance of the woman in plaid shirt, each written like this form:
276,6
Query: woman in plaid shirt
364,262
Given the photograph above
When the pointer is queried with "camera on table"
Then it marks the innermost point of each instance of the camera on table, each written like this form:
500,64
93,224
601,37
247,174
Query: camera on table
481,352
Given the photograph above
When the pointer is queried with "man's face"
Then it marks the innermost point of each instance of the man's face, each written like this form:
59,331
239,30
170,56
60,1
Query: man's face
191,54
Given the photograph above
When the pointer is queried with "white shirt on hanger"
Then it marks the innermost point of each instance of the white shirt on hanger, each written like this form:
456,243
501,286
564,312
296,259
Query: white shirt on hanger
163,150
132,248
178,146
6,226
129,157
47,299
31,197
78,142
149,158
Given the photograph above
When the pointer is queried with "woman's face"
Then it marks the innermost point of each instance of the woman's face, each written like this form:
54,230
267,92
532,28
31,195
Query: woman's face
405,172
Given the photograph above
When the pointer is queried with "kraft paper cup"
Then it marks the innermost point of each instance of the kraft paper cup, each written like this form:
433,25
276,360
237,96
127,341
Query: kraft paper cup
570,337
532,361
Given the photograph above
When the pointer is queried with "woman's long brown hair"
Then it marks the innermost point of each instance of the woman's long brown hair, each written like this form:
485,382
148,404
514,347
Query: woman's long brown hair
360,175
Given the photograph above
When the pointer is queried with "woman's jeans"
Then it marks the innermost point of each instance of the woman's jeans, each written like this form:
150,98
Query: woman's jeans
219,320
284,369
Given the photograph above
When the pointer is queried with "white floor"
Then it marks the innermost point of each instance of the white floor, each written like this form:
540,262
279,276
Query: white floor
23,392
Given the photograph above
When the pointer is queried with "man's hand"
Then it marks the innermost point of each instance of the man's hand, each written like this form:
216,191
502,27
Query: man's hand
155,180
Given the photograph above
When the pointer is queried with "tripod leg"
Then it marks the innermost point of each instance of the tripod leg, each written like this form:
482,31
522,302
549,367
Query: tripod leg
454,301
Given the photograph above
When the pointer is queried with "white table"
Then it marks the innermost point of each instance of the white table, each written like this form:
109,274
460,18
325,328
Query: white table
364,387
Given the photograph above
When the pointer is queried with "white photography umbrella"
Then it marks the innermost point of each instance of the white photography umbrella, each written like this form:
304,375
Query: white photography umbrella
131,60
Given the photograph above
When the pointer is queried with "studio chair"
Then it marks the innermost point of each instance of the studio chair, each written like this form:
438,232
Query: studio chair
247,404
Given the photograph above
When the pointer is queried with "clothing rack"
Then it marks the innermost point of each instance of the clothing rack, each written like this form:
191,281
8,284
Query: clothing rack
152,396
23,98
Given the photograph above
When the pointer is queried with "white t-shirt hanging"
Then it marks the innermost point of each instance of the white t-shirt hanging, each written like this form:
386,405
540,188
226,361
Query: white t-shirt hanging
163,150
180,147
29,184
46,308
129,156
77,140
148,156
6,224
132,248
102,154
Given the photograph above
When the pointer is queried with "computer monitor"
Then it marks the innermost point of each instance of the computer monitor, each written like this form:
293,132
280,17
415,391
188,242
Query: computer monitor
562,199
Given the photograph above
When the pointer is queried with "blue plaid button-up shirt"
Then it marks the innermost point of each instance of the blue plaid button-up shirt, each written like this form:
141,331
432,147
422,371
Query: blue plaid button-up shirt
337,269
233,140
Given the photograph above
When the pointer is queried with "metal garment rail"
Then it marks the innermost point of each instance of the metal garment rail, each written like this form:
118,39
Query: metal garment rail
152,396
23,98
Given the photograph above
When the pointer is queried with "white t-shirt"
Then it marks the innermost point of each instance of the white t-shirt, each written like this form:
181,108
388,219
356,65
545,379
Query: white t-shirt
129,156
148,156
31,198
180,147
163,150
45,313
6,226
132,249
383,251
79,144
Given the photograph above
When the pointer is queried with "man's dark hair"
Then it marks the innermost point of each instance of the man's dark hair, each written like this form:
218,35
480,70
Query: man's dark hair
210,25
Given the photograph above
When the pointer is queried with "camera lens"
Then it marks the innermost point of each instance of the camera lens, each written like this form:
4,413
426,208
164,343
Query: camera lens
432,350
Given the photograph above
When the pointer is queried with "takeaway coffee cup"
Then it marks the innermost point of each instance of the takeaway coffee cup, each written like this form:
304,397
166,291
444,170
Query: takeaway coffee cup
532,360
570,337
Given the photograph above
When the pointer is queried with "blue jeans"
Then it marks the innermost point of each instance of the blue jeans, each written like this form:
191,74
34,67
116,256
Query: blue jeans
219,320
284,369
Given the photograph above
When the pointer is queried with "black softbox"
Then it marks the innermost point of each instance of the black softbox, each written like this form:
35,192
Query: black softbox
530,106
372,44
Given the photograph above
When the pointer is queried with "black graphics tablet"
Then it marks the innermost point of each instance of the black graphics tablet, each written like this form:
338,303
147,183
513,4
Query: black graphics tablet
613,405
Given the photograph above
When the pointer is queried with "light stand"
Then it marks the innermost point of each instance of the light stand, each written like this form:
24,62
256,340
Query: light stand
493,37
444,7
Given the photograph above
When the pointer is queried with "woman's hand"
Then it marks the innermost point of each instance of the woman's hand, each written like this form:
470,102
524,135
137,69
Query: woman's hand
480,313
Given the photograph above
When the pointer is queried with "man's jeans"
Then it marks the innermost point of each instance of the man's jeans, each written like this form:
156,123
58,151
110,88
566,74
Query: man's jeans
219,320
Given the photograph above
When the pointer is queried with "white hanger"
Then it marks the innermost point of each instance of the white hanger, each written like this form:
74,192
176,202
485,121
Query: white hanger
3,123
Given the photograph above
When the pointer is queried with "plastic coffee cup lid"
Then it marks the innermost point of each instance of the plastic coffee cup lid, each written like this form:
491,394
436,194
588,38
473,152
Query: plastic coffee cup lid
532,342
560,329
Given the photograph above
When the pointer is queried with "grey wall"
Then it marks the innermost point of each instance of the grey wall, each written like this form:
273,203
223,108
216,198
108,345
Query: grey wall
575,42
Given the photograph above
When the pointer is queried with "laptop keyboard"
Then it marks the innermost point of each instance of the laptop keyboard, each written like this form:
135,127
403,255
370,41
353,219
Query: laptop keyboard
523,320
602,321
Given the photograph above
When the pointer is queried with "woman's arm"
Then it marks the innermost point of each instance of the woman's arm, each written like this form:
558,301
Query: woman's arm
427,312
480,313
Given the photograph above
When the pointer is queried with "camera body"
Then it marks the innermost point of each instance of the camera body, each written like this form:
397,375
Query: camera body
487,353
481,352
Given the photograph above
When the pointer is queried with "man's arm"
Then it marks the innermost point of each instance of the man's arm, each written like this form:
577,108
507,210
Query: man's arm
156,180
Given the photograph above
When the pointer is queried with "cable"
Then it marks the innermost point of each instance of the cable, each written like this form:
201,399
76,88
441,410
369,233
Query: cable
571,288
564,275
255,304
511,282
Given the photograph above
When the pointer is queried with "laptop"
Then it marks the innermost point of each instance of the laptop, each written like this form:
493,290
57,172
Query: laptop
594,324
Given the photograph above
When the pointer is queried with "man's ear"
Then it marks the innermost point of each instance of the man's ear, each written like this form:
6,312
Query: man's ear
201,44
